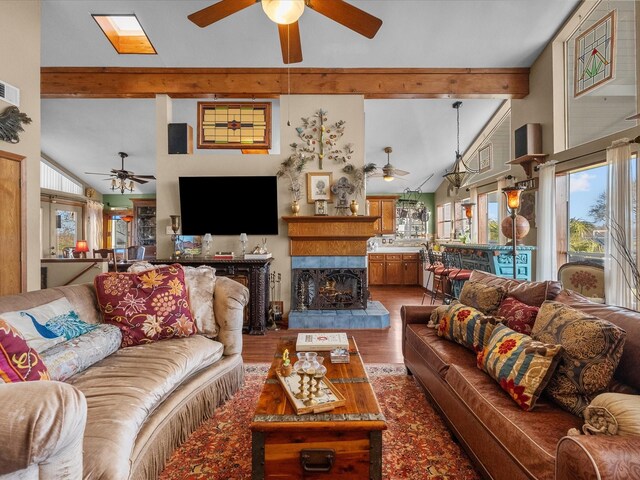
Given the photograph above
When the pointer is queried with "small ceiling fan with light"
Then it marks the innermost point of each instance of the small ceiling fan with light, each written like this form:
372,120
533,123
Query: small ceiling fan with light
389,172
123,179
286,14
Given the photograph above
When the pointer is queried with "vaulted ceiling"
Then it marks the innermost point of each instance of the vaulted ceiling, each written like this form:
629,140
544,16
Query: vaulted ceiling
86,134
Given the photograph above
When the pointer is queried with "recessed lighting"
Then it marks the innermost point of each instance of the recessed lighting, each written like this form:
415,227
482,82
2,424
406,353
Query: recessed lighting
125,34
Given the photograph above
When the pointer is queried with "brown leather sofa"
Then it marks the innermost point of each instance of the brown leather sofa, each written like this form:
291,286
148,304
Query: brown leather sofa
503,441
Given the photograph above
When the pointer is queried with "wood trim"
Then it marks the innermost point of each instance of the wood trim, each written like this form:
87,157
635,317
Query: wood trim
125,82
23,214
329,235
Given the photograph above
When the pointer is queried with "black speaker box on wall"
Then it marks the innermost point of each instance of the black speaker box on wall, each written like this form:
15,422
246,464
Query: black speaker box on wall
180,138
528,140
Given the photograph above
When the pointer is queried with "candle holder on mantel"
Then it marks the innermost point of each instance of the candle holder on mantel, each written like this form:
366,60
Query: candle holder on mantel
175,238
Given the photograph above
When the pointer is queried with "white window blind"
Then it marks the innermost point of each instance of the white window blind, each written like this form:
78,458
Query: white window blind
52,179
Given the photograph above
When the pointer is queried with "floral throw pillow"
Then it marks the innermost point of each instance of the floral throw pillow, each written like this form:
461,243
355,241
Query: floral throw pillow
466,325
518,316
522,366
18,361
146,306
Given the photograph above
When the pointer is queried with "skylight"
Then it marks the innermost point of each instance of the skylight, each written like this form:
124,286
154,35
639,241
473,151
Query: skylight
125,34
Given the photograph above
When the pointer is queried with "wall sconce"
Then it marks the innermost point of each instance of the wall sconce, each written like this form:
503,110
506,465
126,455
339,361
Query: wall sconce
81,248
512,195
468,210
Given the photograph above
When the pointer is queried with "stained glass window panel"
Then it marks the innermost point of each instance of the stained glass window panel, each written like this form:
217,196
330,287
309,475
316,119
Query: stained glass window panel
236,125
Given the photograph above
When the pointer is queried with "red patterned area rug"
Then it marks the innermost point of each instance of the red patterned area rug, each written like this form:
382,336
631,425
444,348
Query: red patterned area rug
416,445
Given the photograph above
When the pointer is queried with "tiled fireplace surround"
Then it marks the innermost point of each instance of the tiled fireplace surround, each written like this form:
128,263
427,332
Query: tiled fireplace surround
329,291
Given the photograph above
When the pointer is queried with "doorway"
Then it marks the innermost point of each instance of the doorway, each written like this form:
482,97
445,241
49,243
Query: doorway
12,224
61,226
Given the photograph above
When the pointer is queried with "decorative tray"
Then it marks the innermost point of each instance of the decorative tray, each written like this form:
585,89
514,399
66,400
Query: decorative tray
330,399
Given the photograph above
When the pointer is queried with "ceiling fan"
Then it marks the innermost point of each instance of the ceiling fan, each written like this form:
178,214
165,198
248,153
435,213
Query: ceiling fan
389,172
119,178
286,14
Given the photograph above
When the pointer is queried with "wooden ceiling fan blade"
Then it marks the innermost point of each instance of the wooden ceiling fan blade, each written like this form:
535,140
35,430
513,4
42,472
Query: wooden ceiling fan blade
96,173
347,15
400,172
139,180
149,177
290,43
218,11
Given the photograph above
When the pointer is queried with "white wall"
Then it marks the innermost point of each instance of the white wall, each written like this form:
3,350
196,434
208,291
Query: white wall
349,108
20,67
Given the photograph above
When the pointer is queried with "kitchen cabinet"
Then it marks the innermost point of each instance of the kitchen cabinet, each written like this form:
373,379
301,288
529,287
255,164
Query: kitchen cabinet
144,225
376,269
394,269
383,206
410,269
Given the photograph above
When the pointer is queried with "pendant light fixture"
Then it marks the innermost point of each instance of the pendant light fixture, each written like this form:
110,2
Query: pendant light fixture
457,177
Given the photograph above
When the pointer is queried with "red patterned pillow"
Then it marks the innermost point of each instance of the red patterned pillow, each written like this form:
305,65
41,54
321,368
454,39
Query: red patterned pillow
18,361
518,316
146,306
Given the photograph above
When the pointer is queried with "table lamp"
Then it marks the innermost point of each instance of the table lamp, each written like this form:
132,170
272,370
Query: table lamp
82,248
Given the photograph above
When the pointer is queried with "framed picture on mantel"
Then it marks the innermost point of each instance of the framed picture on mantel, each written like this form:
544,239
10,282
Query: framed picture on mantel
319,186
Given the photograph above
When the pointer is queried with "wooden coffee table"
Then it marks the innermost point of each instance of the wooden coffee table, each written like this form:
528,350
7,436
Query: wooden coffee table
345,442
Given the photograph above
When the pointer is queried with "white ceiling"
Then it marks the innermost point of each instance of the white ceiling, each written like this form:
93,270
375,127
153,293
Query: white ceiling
85,135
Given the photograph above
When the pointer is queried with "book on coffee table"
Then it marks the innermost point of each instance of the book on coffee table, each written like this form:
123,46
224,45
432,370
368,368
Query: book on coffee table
321,342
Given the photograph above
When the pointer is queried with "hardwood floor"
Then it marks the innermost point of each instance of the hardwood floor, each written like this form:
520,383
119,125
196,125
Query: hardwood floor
375,345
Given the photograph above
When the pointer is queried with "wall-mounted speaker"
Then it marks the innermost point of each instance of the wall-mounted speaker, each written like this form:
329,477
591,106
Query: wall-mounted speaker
180,138
528,140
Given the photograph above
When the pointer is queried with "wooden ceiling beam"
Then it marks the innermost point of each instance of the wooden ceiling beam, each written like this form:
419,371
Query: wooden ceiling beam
116,82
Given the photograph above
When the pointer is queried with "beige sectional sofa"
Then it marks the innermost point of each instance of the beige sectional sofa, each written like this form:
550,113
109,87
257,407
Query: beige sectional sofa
122,417
502,440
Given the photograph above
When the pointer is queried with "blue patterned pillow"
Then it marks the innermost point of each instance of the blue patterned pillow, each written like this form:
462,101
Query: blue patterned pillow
47,325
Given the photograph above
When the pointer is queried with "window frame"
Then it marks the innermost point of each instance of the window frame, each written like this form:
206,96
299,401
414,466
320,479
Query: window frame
441,222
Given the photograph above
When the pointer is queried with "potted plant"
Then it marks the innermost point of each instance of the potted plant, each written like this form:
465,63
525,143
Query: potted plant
359,177
292,169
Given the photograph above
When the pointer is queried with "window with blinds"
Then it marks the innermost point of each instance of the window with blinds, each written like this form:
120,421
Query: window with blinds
53,179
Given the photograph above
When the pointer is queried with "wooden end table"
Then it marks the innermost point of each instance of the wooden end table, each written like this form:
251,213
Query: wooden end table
345,442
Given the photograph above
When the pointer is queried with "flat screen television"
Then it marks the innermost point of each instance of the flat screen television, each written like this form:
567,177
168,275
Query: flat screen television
229,205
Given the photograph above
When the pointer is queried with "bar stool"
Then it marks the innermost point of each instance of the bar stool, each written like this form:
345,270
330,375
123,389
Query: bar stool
457,273
440,277
432,261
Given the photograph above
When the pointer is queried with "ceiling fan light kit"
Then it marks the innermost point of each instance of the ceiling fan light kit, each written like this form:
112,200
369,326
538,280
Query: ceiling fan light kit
283,12
286,13
123,179
389,172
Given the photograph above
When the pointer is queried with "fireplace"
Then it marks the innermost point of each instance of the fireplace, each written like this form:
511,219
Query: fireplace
329,288
329,274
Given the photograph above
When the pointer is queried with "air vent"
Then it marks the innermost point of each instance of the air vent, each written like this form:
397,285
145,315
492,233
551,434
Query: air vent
9,94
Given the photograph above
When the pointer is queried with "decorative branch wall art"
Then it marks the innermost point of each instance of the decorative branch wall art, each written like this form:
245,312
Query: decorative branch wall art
319,139
11,121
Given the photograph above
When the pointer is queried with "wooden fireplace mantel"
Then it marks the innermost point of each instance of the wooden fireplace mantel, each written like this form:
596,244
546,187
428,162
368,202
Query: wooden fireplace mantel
320,235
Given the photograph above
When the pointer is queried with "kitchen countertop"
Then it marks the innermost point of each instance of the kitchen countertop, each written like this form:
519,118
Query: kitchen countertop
394,249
